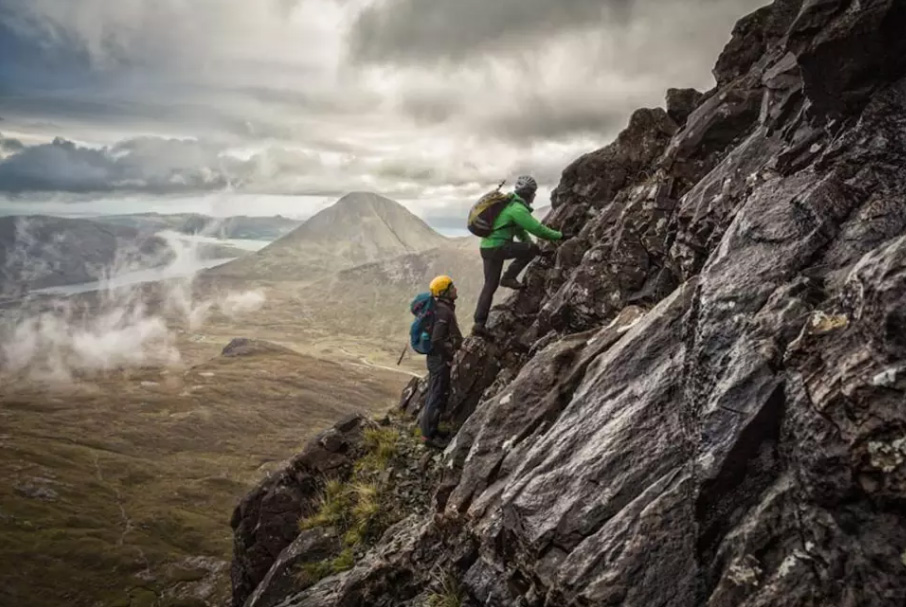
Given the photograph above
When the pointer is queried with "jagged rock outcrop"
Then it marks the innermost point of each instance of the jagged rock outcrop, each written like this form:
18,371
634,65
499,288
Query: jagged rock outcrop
699,401
309,520
681,103
267,520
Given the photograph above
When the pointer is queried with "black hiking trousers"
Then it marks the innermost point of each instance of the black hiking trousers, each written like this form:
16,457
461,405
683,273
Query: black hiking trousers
438,391
521,252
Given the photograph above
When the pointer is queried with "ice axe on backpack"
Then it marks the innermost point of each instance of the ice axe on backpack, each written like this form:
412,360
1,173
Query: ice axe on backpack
484,212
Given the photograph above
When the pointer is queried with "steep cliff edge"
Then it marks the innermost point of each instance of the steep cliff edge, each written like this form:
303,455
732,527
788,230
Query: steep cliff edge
700,398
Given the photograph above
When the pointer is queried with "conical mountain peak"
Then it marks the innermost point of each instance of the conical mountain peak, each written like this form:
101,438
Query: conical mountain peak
360,228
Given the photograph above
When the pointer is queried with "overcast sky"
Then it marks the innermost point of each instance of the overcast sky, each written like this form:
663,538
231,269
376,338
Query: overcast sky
280,106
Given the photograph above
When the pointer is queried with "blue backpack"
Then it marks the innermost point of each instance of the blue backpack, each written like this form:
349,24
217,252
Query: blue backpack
422,307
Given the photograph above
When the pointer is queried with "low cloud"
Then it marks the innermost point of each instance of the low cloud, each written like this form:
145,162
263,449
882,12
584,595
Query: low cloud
67,337
241,303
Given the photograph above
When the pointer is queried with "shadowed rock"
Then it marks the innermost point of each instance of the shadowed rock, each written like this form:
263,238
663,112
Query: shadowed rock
681,103
267,520
698,399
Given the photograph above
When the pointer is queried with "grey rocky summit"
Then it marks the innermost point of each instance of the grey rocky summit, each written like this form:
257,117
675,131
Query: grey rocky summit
701,398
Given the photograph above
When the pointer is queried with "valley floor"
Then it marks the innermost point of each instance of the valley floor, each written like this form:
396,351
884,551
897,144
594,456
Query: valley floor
117,490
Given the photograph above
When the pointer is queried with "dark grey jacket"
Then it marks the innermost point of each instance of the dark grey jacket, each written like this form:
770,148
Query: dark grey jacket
445,336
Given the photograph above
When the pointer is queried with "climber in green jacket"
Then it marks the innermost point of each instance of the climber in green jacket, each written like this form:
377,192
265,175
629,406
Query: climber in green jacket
515,221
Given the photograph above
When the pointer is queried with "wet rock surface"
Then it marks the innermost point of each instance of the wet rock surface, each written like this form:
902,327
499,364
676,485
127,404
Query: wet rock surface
267,520
289,550
701,398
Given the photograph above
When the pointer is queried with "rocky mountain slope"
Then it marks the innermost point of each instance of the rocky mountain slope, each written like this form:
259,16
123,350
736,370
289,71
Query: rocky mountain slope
239,226
38,251
384,289
700,399
359,228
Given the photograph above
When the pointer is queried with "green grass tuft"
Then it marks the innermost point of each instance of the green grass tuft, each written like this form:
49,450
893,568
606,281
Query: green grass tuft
359,509
355,509
450,594
343,562
336,503
311,573
382,443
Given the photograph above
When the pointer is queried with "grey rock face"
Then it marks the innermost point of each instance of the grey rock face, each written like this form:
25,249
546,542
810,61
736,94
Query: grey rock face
699,401
312,544
267,520
681,103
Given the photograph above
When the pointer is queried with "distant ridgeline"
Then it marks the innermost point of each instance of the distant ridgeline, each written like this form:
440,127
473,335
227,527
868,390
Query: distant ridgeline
252,228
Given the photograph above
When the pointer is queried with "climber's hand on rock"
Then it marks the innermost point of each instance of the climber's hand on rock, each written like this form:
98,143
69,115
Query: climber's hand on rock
547,247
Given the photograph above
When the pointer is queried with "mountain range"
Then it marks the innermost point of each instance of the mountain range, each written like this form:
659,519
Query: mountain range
353,268
38,251
360,228
239,226
365,247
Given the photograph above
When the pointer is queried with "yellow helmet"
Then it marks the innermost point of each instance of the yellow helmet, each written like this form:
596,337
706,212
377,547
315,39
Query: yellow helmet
440,285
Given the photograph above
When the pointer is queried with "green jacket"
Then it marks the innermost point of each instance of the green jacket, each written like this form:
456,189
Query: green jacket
516,221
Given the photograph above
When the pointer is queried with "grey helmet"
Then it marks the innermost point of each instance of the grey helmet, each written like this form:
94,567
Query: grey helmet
526,184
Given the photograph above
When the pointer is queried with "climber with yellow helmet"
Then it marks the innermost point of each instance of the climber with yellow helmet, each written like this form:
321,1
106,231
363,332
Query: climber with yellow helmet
445,341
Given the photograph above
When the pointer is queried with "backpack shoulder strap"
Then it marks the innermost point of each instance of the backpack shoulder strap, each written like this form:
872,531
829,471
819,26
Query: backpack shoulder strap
510,199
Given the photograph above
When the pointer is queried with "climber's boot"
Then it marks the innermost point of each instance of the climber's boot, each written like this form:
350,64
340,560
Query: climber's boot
511,283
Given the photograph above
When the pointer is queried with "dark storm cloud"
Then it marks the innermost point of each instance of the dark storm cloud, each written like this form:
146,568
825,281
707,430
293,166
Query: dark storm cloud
141,165
553,70
10,145
426,30
431,108
425,98
543,120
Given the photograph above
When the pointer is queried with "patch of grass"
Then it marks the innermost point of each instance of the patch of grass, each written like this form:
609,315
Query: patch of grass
355,509
310,573
343,562
335,509
450,593
367,501
313,572
366,520
359,509
382,442
382,445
